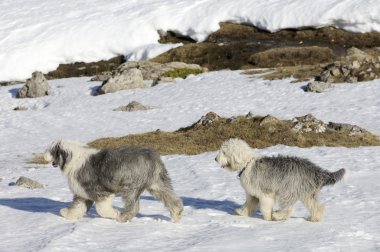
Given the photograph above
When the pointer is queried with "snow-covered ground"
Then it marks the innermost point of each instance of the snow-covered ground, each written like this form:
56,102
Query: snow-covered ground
40,34
30,221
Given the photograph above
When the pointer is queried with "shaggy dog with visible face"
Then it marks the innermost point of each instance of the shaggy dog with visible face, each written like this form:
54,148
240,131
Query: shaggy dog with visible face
98,175
269,179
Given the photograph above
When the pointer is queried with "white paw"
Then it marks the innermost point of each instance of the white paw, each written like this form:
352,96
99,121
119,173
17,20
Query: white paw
241,212
66,213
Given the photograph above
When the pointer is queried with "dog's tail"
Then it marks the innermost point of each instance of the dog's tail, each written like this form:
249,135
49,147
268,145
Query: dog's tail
333,177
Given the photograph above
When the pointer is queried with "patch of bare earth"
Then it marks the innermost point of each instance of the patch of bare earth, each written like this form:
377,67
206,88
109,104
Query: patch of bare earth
211,130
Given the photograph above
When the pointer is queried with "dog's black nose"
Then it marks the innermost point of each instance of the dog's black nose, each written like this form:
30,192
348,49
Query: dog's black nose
216,160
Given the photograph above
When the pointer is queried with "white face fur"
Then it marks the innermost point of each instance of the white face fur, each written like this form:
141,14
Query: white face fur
235,154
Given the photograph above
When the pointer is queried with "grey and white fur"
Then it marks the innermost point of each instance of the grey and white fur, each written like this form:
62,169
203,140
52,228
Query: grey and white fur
281,179
98,175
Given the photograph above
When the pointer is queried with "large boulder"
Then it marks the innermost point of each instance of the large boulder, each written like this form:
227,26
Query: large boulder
37,86
122,79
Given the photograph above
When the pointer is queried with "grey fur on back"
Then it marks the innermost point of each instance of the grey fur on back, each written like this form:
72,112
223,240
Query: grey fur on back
291,175
114,171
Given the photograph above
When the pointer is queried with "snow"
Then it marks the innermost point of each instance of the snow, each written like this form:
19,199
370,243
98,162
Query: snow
41,34
30,219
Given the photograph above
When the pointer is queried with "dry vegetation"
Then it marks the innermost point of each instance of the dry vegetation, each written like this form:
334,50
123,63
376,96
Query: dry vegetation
299,73
202,138
209,134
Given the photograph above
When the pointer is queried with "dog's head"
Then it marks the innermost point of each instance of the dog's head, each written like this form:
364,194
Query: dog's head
235,154
58,154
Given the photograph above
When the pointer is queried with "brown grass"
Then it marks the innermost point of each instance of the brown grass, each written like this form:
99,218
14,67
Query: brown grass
299,73
37,159
292,56
198,139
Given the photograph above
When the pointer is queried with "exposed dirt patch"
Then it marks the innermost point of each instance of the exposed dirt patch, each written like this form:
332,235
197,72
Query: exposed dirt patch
299,73
233,45
79,69
292,56
260,132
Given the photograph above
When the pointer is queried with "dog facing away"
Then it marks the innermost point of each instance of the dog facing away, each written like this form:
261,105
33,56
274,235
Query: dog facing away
98,175
281,179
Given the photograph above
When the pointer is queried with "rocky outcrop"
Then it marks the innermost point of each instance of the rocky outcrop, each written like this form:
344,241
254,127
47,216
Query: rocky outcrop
37,86
133,106
132,74
122,79
309,123
355,67
155,71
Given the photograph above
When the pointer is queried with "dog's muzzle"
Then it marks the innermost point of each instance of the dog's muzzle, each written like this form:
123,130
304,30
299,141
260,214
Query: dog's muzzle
54,164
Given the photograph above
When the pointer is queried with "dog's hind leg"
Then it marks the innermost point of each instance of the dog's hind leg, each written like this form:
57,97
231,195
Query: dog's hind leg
165,193
286,209
316,209
131,200
249,206
266,206
105,209
78,208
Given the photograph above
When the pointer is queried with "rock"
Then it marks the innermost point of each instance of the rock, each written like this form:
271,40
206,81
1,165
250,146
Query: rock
335,72
121,80
357,54
37,86
268,119
154,71
20,108
317,86
250,115
355,64
28,183
208,120
133,106
308,123
102,77
353,130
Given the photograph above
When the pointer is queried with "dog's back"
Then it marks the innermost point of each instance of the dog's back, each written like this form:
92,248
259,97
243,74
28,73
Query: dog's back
116,169
292,174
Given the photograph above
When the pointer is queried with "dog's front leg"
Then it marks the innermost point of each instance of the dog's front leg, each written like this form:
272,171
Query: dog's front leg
266,206
249,206
77,209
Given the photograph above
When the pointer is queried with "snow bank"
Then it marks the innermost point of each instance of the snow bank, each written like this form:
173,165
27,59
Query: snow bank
41,34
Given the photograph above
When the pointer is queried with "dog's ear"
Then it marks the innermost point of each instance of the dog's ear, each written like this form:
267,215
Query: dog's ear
61,155
65,157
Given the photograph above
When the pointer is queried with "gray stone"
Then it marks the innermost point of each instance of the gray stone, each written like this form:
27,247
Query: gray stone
268,119
308,123
20,108
133,106
335,72
126,79
318,86
37,86
28,183
355,64
353,130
